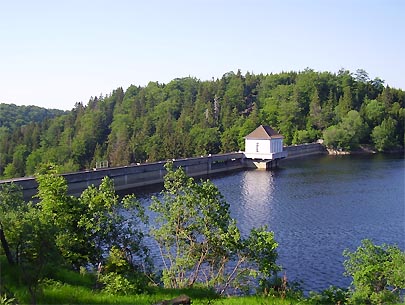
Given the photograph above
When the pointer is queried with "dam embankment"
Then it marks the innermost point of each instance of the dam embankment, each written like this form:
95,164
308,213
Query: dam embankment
146,174
302,150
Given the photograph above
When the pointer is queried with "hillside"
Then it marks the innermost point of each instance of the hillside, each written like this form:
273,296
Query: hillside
13,116
190,117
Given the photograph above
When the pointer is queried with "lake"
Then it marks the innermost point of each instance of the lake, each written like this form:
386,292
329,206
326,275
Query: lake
319,206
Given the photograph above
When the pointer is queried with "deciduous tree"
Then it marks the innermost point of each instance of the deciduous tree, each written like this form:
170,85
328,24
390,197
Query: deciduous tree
200,242
378,273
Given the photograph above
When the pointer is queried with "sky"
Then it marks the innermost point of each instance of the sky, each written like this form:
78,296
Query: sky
54,54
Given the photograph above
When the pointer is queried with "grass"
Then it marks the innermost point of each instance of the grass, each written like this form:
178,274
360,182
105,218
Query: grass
70,294
69,287
76,295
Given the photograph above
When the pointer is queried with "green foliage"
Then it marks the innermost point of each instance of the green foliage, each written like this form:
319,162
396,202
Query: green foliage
115,283
384,135
6,300
68,287
26,237
374,111
262,251
305,136
120,276
106,227
76,232
378,273
345,103
200,243
331,295
347,134
188,117
230,139
12,116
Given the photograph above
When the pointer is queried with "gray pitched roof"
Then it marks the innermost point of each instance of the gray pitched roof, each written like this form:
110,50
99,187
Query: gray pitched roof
263,133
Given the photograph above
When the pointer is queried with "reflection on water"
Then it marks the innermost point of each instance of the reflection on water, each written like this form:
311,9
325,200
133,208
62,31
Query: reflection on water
257,196
320,206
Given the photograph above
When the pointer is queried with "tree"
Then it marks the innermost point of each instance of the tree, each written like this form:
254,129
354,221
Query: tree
289,119
328,116
19,159
34,159
10,201
205,141
378,273
305,136
230,139
200,242
86,228
315,111
347,134
345,103
106,226
157,122
384,135
25,238
374,112
234,93
62,212
335,138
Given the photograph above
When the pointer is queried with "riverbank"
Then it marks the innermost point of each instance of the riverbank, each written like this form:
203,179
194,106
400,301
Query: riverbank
363,149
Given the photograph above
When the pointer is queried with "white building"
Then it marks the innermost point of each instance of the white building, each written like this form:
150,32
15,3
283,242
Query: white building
264,143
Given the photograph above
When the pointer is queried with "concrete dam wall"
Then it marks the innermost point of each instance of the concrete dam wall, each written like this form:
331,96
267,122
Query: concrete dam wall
146,174
302,150
133,176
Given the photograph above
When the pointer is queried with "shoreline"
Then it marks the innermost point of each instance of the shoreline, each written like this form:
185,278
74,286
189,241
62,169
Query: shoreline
364,150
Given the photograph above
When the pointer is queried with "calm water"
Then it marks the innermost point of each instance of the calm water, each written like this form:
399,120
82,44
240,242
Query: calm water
319,206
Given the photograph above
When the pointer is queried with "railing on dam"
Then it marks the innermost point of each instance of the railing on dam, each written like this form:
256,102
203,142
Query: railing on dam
134,176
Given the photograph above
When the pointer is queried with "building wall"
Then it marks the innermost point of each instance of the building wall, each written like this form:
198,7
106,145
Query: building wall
276,145
257,146
262,149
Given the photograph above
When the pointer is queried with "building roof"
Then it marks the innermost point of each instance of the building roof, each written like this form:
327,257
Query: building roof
263,133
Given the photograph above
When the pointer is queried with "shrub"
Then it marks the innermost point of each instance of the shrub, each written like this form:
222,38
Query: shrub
378,273
117,284
331,295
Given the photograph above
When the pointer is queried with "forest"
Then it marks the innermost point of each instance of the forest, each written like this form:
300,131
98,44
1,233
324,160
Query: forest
189,117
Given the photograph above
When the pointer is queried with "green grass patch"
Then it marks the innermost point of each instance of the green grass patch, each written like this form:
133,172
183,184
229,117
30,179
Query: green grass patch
69,287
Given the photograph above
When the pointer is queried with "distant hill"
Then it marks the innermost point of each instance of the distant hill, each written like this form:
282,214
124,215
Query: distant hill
189,117
13,116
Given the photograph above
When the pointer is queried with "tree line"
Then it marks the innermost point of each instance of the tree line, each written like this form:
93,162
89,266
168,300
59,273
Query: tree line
189,117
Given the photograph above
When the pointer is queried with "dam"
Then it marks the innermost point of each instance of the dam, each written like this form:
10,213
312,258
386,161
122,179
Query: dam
146,174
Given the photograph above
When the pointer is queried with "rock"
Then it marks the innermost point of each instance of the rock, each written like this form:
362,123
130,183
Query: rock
180,300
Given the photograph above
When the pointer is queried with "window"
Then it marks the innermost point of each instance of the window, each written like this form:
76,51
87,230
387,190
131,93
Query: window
257,147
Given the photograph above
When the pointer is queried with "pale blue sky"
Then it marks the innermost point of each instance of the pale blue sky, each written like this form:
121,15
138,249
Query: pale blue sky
56,53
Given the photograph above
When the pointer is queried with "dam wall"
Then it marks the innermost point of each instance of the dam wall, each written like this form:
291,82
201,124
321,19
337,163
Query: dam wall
302,150
146,174
139,175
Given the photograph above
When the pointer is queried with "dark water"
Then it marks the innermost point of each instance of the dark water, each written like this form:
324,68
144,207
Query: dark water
319,206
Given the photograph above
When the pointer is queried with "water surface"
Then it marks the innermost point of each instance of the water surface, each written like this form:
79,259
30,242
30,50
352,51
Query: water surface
320,206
